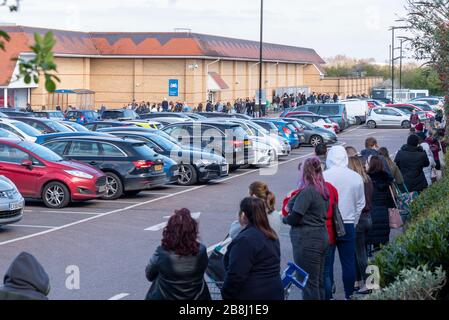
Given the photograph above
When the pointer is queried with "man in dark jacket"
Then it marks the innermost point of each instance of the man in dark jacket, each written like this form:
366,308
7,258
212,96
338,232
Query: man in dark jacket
372,146
165,105
411,160
25,279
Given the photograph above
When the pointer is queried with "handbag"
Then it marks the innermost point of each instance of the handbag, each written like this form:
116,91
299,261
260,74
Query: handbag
394,214
404,201
215,267
339,226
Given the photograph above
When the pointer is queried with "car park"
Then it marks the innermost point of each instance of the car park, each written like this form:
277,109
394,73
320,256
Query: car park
409,108
216,137
82,116
319,121
51,136
130,166
52,115
21,129
387,116
286,131
119,114
193,165
225,115
336,112
16,113
11,202
433,102
356,109
9,135
165,121
315,135
159,115
298,127
39,173
44,125
75,127
96,125
147,124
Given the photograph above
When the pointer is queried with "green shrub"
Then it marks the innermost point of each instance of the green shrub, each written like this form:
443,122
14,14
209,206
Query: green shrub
412,284
425,242
434,196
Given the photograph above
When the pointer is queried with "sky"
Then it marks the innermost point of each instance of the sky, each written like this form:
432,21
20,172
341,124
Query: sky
356,28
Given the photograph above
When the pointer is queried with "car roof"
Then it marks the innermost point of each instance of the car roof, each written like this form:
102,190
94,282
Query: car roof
111,139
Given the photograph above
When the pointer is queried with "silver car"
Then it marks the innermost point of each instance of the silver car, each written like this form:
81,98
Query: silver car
11,202
387,116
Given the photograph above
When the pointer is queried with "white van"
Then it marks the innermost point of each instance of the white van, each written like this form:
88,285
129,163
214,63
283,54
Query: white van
356,109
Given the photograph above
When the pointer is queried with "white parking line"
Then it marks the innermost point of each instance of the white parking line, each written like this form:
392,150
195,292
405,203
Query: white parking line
32,226
72,212
119,296
371,133
160,226
98,216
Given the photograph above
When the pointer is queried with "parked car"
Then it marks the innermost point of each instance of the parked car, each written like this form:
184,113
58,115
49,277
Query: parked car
356,109
409,108
168,120
16,113
425,107
21,129
120,114
82,116
39,173
129,166
194,165
11,202
387,116
9,135
44,126
298,127
320,121
315,135
224,139
52,115
147,124
159,115
286,131
433,102
225,115
51,136
96,125
75,127
195,116
336,112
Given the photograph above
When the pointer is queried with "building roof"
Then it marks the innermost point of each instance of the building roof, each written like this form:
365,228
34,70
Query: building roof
148,44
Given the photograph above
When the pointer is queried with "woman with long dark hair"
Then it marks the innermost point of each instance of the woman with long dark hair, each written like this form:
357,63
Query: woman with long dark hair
177,268
252,261
309,234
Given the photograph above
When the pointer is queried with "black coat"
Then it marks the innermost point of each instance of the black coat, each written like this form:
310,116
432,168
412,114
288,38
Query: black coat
411,161
176,277
381,202
25,279
252,264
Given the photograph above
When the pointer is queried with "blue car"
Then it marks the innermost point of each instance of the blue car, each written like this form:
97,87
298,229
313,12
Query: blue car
47,137
287,131
82,116
171,169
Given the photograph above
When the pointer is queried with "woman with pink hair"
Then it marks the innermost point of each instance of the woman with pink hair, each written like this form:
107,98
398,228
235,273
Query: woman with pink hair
309,234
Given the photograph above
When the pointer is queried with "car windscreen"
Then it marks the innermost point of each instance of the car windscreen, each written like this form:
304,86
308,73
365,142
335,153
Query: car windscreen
165,144
58,115
6,134
78,127
145,151
112,114
330,110
57,126
424,107
40,151
27,129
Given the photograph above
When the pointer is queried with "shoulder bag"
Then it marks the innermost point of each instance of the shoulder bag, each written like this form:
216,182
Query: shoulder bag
339,225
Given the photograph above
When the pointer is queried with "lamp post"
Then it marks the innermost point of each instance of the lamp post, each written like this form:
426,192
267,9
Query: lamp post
261,55
393,58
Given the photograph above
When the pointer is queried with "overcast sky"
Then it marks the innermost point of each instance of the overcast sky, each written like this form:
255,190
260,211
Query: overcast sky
357,28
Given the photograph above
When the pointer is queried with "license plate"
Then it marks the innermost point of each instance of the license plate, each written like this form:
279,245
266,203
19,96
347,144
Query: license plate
224,168
15,206
159,167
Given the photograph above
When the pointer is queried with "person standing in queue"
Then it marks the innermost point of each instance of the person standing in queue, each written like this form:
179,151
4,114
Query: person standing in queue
309,234
252,260
177,268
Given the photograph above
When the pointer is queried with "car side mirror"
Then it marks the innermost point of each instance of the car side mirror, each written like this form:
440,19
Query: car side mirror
27,163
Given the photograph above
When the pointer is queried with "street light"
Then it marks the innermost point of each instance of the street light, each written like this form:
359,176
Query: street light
392,29
261,55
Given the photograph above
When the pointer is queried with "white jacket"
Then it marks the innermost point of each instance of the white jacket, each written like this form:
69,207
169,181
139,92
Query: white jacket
349,184
428,170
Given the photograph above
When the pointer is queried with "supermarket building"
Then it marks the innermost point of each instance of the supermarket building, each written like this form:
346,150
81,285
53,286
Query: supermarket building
113,69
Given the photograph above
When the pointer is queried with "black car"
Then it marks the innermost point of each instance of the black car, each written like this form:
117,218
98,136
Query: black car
16,113
155,115
120,114
225,115
97,125
44,125
130,166
194,165
220,138
53,115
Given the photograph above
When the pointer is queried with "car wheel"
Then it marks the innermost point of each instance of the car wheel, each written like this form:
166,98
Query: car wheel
56,195
187,175
316,140
371,124
406,125
132,193
114,187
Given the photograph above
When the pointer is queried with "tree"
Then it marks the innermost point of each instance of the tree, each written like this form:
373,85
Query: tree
43,61
428,23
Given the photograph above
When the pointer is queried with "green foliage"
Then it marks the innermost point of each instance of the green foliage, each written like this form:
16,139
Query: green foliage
42,63
412,284
5,37
434,195
425,242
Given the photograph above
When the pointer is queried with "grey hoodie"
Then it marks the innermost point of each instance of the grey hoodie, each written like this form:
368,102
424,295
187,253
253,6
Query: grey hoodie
349,184
25,279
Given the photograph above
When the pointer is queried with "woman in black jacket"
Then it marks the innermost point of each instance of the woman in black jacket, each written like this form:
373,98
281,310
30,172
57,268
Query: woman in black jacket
412,160
252,261
381,201
178,265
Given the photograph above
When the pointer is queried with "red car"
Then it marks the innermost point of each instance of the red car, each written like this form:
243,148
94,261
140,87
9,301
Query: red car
39,173
410,107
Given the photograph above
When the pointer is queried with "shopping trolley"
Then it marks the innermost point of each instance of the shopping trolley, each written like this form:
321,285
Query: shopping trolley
292,276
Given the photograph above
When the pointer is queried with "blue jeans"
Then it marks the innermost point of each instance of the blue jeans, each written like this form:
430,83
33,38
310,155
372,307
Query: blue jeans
346,251
329,271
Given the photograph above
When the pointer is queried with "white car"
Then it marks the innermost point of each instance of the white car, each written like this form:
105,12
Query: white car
172,120
387,116
23,130
356,109
11,202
